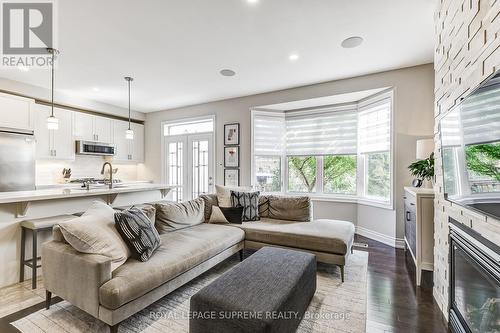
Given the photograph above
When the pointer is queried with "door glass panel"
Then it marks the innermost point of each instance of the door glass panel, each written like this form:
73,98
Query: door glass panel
200,167
175,169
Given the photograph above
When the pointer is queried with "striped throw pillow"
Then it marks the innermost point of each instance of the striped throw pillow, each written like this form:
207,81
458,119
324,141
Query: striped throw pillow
138,233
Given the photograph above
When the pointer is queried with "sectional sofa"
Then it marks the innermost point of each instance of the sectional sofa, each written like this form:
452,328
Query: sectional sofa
188,249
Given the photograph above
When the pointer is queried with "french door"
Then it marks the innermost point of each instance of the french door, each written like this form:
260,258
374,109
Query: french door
190,165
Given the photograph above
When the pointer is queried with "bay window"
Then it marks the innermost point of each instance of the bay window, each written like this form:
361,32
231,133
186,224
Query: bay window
331,152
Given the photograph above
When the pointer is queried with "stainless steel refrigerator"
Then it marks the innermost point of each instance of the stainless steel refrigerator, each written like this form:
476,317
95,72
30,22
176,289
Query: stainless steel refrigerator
17,160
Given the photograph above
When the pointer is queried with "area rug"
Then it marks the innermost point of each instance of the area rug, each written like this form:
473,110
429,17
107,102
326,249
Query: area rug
335,307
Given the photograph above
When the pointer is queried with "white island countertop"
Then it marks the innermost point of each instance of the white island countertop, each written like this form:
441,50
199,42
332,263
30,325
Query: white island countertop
75,191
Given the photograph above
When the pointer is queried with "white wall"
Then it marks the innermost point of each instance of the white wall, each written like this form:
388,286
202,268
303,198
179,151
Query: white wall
414,119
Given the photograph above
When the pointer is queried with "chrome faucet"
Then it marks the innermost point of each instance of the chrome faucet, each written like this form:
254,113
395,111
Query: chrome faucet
110,173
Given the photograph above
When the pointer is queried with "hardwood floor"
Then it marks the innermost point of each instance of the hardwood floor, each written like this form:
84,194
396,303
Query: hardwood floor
394,302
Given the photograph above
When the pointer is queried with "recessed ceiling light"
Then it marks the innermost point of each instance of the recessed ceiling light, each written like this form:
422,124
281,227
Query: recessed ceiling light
23,68
252,1
293,57
351,42
227,72
96,89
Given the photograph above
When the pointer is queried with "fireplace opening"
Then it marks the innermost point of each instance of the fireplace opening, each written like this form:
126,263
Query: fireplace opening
474,281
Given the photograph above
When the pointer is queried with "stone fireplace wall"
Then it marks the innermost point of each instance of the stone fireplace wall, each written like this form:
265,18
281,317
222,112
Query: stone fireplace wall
467,51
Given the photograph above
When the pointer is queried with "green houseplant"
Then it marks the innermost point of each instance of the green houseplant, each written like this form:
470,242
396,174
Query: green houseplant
423,169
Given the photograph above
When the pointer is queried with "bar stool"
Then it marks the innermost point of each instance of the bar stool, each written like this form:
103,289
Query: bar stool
36,225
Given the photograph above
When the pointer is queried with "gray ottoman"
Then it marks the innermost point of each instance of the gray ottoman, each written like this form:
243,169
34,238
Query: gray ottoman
268,292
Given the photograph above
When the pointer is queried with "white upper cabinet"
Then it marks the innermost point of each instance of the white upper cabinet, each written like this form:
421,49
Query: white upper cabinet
16,112
54,144
83,127
122,145
88,127
138,143
128,150
103,129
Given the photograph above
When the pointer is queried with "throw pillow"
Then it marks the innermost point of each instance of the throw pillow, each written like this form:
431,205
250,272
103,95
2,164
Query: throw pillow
171,216
226,215
250,203
224,194
94,232
264,206
138,232
290,208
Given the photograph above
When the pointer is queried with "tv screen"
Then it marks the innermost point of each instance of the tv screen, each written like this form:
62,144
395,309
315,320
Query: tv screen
470,148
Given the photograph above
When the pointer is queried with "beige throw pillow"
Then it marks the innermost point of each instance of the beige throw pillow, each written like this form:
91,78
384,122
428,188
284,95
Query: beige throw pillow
95,233
217,216
224,194
171,216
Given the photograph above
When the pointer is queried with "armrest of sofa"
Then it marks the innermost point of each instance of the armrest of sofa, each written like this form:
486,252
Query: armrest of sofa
74,276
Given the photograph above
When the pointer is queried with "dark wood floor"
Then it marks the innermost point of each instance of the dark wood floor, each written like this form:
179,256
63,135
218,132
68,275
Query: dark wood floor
394,302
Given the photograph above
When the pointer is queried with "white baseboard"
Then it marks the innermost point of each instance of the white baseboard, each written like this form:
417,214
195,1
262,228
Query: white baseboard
398,243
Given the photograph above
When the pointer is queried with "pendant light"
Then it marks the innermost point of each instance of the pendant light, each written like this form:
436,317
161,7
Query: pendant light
52,121
129,133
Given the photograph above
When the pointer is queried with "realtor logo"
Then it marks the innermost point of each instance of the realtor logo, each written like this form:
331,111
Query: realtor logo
27,28
27,32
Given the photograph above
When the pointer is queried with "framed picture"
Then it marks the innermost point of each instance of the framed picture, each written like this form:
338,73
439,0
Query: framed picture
232,134
231,157
232,177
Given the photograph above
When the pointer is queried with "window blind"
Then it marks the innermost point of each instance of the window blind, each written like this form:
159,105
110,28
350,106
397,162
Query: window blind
480,117
450,130
268,135
325,133
375,127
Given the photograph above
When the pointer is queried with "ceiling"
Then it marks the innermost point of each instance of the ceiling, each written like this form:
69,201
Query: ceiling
175,49
322,101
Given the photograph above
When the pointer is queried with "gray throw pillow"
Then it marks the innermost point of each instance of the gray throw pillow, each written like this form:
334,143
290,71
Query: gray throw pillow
290,208
138,232
250,203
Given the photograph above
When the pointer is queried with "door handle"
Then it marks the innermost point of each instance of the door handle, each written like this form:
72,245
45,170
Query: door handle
408,216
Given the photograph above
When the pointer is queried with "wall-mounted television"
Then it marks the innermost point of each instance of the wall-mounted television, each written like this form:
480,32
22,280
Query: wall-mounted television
470,149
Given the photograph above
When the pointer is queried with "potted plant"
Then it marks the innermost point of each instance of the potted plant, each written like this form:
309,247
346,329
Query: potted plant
423,169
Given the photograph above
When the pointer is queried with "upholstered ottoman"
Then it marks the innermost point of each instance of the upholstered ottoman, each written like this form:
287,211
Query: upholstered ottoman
268,292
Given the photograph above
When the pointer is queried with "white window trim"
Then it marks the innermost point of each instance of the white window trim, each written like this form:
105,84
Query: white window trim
163,138
359,198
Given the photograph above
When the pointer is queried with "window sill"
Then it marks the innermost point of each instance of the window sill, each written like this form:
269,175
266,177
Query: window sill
340,199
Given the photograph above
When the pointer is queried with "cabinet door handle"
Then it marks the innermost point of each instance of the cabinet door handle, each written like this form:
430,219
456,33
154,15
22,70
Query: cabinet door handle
408,216
55,152
411,203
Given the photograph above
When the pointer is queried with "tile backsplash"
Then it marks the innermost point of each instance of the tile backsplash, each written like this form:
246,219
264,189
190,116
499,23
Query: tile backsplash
50,172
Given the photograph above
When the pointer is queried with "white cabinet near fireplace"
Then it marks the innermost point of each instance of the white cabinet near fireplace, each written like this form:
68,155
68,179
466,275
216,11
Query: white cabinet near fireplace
419,228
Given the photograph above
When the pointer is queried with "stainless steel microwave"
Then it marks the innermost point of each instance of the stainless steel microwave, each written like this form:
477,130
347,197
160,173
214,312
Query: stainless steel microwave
95,148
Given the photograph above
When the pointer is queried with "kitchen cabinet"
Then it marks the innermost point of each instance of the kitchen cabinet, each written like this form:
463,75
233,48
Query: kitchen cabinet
54,144
128,150
16,112
419,228
88,127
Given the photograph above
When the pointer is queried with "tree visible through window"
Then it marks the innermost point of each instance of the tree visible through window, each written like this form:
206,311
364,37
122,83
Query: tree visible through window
339,174
302,174
378,173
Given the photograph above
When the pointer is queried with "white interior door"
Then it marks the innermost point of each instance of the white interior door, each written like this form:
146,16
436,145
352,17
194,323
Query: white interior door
201,164
190,165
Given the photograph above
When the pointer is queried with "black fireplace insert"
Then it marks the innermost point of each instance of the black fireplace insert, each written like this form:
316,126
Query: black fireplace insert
474,282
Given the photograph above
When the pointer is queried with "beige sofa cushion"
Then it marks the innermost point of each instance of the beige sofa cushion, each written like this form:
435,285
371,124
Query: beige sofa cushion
94,232
210,201
172,216
180,251
224,194
330,236
290,208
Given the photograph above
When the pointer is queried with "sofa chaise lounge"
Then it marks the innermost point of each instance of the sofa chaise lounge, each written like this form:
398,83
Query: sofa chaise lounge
87,281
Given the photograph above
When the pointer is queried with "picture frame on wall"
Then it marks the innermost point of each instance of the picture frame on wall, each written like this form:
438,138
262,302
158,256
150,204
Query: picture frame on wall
231,157
232,134
232,177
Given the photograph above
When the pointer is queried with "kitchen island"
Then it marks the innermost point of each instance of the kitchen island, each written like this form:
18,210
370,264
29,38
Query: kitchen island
56,200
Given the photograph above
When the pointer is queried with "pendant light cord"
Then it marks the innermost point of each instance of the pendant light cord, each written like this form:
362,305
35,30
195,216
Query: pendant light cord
129,104
52,98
